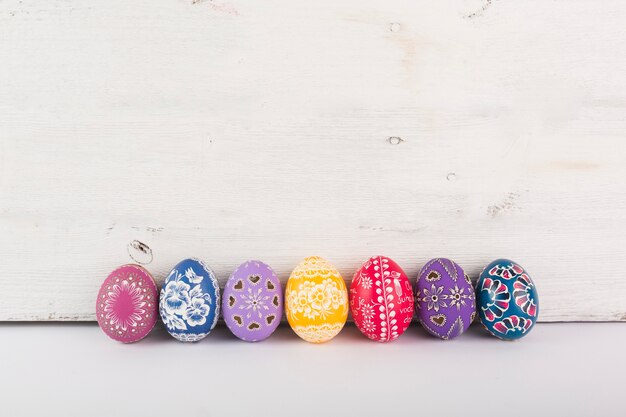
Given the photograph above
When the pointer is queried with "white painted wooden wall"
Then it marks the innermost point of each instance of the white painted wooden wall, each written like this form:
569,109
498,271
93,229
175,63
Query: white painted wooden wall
240,129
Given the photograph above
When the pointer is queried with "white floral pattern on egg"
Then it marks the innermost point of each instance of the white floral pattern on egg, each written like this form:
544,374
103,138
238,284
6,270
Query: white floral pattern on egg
190,301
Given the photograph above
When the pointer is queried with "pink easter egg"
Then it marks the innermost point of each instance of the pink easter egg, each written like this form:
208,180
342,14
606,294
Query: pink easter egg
127,305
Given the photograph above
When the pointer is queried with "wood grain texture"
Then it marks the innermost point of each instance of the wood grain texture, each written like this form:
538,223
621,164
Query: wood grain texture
230,130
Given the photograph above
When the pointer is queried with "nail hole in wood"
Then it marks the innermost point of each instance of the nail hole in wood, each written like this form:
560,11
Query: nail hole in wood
140,252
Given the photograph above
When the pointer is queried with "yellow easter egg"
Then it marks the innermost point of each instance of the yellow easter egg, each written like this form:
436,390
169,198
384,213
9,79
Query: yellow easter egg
316,300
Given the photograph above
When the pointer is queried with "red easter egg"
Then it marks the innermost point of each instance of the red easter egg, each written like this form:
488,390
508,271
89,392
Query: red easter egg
381,299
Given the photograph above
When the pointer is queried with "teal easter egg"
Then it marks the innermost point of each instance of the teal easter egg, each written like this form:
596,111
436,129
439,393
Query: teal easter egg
507,300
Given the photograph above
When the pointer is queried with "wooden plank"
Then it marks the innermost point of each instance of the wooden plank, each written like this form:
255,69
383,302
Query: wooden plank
236,130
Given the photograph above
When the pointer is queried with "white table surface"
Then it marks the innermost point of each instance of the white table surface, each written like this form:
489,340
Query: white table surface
73,369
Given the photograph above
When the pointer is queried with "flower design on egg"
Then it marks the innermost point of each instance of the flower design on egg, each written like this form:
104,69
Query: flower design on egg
127,304
315,300
186,300
297,300
496,297
458,297
326,297
255,301
176,297
513,324
197,312
434,298
368,326
522,292
124,305
506,271
367,310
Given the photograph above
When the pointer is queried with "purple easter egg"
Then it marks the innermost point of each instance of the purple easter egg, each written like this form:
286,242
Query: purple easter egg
444,298
252,305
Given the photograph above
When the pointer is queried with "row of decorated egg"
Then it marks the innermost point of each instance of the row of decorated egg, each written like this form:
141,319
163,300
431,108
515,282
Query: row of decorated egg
189,303
381,300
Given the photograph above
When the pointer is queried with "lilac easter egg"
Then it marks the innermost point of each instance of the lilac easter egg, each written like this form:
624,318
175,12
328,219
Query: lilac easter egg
444,298
252,305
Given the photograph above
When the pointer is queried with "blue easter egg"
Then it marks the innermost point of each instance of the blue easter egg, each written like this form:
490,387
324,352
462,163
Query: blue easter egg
190,301
507,300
